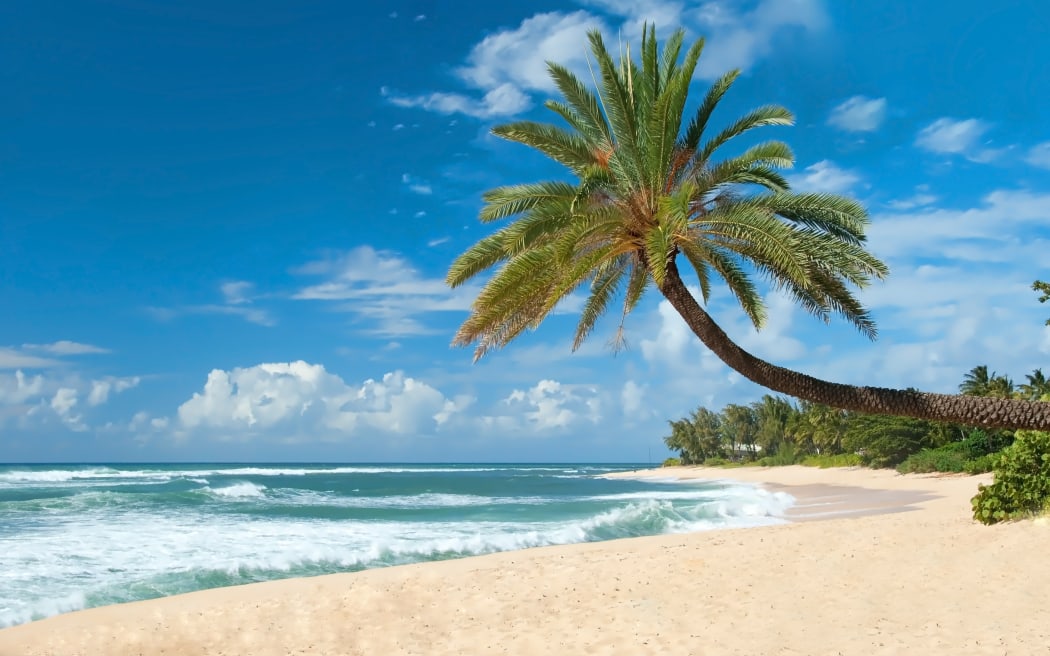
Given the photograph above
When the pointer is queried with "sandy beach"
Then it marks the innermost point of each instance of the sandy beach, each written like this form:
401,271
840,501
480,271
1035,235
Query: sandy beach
872,563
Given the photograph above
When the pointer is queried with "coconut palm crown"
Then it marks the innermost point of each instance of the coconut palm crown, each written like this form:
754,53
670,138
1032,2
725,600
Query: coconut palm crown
650,194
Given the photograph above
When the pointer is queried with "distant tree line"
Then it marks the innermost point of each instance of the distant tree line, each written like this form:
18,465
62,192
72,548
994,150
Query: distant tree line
778,431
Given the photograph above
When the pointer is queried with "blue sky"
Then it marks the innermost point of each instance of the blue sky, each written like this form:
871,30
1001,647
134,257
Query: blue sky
224,227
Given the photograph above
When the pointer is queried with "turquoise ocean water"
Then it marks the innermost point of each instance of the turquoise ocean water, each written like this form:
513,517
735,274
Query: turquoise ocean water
78,536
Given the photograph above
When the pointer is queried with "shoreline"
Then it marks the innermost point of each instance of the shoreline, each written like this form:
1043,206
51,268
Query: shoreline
908,571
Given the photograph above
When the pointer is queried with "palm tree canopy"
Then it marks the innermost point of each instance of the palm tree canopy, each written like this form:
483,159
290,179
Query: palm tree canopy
649,189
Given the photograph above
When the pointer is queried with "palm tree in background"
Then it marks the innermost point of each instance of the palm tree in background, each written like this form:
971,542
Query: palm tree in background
650,195
1036,387
980,382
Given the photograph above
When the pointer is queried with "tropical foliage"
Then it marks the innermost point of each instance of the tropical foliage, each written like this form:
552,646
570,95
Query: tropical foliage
1044,290
1022,480
776,431
653,189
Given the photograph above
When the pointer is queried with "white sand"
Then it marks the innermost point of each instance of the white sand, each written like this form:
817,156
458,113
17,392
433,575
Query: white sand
920,578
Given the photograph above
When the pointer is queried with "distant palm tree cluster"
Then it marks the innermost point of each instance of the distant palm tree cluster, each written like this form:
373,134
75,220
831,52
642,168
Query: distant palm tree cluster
775,430
655,203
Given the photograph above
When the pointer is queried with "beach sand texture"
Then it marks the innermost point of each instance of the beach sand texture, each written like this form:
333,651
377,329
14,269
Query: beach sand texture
894,566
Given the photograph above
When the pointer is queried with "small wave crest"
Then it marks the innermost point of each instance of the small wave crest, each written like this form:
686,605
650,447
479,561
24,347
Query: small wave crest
243,490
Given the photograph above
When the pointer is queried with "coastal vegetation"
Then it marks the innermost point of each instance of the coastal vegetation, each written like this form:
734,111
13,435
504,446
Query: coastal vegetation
780,432
650,194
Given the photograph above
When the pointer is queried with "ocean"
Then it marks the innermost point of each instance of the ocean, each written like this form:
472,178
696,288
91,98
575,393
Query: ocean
79,536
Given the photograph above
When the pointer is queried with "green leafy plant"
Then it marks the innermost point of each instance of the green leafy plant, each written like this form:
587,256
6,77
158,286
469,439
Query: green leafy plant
837,460
785,455
672,462
1022,480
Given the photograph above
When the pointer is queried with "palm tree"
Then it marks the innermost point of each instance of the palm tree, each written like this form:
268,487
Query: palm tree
650,194
772,414
979,382
1036,387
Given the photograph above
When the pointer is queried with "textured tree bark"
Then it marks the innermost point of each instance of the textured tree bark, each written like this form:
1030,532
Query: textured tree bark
982,411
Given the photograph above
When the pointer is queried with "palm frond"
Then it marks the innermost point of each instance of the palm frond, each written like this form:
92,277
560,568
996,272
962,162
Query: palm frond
563,147
583,102
502,202
763,116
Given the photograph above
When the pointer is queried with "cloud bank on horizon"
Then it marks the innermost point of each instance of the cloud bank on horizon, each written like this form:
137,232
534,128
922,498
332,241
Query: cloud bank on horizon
271,287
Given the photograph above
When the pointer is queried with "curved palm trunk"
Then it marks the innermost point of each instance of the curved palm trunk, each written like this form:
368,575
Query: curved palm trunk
968,410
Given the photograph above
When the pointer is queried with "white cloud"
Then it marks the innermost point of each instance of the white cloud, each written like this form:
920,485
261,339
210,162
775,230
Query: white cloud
632,400
664,15
101,389
304,401
34,400
18,388
550,404
14,359
509,65
921,198
1006,227
383,288
1039,155
738,39
503,100
66,347
237,292
519,57
63,403
236,299
416,185
64,400
859,114
825,177
957,137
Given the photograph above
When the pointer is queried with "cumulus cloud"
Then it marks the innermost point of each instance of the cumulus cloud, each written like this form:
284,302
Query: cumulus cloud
508,66
859,114
550,405
101,389
19,388
632,398
382,288
304,401
34,400
824,176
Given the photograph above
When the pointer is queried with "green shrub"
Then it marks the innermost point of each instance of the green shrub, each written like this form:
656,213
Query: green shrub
672,462
979,443
1022,480
944,459
981,465
886,441
715,462
785,455
838,460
